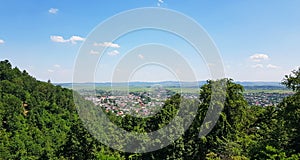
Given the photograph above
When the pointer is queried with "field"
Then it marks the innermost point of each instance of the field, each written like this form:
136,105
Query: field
190,90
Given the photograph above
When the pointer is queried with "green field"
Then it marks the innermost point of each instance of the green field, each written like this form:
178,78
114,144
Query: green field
175,89
282,91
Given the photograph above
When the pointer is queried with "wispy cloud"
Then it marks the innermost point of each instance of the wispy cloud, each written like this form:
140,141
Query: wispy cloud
58,39
2,41
53,10
50,70
141,56
94,52
259,57
113,53
56,66
272,66
107,44
258,66
160,2
72,39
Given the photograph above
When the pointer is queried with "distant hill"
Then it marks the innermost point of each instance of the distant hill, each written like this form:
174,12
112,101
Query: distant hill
262,85
259,83
176,84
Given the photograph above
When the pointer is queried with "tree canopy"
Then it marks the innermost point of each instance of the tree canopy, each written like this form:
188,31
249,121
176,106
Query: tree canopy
39,121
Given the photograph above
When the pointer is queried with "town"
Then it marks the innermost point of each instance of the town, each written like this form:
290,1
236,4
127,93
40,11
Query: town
265,98
140,104
147,103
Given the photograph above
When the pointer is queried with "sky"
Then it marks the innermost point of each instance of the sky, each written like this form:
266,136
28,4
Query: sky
257,40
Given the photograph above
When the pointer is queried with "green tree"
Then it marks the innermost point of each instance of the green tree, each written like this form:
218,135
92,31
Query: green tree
292,81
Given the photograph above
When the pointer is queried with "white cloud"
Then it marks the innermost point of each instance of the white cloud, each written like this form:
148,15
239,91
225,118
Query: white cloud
258,66
259,57
107,44
2,41
56,66
58,39
72,39
94,52
113,53
272,66
53,10
141,56
50,70
159,3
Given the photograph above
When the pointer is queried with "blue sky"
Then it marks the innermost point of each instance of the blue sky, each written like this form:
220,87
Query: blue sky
257,40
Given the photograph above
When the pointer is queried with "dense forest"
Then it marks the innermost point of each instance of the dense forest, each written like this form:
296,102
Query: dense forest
39,120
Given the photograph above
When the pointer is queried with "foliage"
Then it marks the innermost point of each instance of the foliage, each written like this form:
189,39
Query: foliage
292,81
39,121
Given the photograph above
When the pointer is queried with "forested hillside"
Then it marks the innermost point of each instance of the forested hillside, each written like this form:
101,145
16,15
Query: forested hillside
39,121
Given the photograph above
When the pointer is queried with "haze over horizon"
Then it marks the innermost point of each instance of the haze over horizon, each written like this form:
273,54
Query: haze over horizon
260,43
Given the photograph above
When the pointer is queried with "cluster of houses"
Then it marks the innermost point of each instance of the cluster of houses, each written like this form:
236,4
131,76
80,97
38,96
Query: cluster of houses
145,104
138,103
265,99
